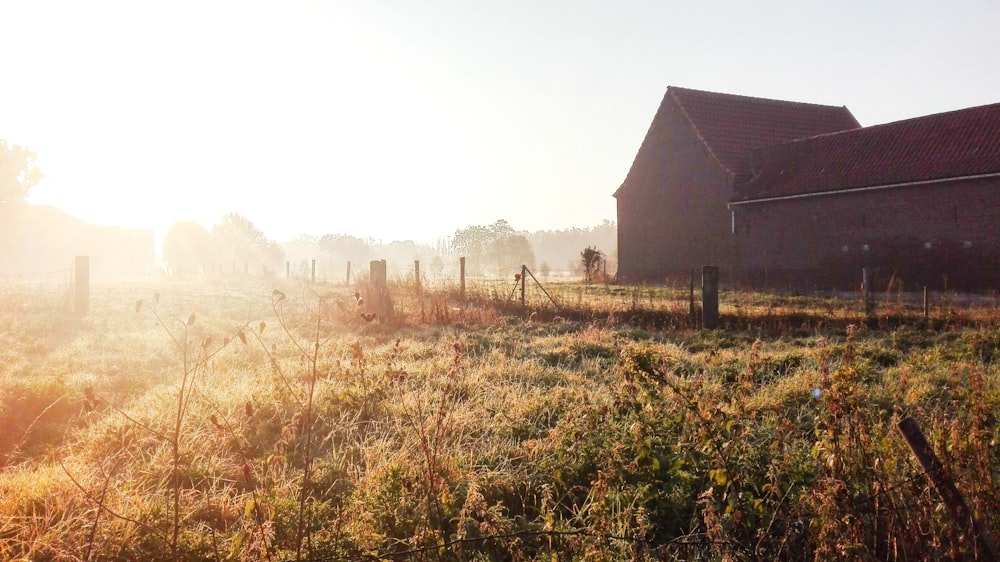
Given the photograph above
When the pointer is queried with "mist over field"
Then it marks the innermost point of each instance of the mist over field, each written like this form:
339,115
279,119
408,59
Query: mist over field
41,242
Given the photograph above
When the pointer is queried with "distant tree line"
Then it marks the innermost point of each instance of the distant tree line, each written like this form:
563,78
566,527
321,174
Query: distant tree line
235,243
558,251
493,250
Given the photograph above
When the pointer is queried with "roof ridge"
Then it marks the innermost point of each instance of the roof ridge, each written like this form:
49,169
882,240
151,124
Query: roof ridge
938,114
756,98
876,127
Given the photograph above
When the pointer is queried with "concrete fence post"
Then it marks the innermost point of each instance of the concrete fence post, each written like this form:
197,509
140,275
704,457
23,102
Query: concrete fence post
377,270
82,278
380,287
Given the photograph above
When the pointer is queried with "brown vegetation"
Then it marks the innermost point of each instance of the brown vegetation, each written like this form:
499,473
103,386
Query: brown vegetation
250,422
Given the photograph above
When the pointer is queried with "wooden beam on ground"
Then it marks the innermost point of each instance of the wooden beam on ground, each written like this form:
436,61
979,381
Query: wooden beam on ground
938,477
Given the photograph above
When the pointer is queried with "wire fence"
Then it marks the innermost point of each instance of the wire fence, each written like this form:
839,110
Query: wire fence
62,277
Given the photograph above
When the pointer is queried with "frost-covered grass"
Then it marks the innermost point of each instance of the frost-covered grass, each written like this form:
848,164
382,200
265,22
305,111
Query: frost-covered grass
271,422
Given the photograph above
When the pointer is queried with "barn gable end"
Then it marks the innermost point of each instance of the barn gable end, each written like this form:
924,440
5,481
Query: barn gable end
672,213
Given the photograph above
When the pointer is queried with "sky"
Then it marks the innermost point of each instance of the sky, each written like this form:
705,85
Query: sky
406,120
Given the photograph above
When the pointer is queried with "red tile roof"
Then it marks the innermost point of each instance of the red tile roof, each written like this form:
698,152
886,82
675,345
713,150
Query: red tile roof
946,145
732,126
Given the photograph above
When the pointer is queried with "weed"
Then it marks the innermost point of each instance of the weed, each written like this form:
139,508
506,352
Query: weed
278,424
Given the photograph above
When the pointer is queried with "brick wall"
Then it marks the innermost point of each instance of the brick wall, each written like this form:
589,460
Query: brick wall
944,236
672,214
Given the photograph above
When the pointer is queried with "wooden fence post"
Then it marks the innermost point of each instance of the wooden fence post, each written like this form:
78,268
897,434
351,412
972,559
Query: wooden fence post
312,276
416,274
938,477
82,278
926,303
710,297
288,269
347,280
461,276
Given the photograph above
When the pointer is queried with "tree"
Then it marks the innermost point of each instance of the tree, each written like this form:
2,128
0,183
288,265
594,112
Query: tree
500,229
300,251
496,246
592,259
272,256
471,242
18,173
343,248
555,247
239,239
510,253
188,248
437,265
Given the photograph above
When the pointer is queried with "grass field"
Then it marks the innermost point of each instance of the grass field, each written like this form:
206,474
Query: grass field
270,421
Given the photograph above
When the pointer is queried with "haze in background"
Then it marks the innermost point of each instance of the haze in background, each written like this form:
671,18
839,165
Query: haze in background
407,120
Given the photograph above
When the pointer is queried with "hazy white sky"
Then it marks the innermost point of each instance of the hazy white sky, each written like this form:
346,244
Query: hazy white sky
406,120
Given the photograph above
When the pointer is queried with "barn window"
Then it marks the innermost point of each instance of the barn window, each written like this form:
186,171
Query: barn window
967,244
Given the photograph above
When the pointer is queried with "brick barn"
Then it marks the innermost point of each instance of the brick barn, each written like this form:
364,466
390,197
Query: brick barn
795,195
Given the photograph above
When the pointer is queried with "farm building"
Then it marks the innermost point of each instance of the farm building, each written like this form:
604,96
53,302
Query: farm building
787,194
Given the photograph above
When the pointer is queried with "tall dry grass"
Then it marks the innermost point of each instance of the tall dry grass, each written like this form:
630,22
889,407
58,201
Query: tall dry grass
278,424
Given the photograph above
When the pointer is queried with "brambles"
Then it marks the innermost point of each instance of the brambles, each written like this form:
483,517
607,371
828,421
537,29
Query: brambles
277,425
